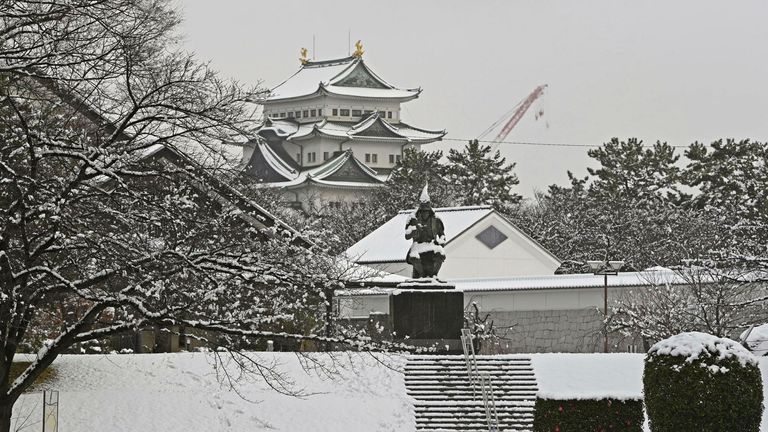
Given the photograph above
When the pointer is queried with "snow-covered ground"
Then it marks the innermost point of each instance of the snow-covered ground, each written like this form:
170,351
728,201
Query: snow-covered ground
182,392
589,376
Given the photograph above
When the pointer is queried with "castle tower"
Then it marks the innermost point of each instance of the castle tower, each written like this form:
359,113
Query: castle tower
332,131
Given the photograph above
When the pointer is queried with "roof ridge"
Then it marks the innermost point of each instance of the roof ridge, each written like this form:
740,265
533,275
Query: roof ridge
455,208
330,62
372,119
272,158
443,132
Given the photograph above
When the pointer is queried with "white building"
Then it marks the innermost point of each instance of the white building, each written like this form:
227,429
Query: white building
508,275
544,313
333,131
480,243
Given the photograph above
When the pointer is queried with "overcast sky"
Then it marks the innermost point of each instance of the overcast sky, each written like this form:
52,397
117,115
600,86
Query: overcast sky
675,71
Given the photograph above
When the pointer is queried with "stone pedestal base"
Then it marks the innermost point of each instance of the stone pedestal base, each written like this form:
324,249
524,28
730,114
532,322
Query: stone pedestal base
427,314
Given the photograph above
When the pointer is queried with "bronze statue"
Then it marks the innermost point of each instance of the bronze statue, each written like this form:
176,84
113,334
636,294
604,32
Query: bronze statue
426,253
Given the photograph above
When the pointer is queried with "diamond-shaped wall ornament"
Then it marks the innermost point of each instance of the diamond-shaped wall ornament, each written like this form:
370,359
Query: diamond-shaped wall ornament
491,237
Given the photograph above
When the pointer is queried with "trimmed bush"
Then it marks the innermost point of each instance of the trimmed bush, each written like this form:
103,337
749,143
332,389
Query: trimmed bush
702,383
588,415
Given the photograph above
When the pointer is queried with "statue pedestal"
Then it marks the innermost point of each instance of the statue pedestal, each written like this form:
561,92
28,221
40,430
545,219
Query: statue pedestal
427,313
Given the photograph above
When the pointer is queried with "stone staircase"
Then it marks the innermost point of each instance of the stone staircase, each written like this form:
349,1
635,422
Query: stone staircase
444,400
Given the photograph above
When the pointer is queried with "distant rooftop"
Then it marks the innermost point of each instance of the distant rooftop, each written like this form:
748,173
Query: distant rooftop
348,76
388,244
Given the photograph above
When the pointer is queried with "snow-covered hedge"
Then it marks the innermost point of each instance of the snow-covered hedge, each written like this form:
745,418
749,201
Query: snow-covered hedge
588,415
699,382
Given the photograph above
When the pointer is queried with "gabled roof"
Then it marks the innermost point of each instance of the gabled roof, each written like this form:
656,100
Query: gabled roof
388,244
348,76
342,170
266,166
373,127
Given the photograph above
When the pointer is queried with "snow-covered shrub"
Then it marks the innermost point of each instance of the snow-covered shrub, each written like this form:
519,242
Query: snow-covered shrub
588,415
699,382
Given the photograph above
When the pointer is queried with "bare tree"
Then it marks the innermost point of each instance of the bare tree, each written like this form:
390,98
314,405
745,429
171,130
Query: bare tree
117,202
706,299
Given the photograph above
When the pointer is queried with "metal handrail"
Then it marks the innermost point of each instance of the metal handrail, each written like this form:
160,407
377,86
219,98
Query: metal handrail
469,359
484,381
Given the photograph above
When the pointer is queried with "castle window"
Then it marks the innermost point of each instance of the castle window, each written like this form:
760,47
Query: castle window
335,112
325,156
375,158
320,112
389,114
391,159
397,158
298,157
297,114
313,113
368,158
305,113
344,113
356,113
282,115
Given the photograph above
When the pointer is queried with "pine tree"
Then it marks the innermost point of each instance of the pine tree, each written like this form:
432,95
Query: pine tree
416,168
630,170
482,177
732,181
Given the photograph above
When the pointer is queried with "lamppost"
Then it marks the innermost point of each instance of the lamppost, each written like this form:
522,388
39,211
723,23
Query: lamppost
605,268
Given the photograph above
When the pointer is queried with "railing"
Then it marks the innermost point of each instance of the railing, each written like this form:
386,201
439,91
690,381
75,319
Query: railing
481,380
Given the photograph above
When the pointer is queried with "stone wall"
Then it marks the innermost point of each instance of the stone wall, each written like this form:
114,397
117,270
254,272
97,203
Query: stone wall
573,331
570,331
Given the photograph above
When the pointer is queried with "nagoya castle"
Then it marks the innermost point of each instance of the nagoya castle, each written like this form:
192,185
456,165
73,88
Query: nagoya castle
332,131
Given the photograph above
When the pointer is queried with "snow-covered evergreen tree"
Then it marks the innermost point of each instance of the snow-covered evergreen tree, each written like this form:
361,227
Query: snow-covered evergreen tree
407,180
731,179
626,209
482,177
632,171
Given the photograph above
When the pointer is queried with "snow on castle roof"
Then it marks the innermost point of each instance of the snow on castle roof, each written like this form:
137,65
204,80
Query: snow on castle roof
364,130
388,244
318,76
342,170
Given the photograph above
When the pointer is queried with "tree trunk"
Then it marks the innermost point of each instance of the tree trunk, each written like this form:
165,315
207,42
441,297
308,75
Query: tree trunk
6,410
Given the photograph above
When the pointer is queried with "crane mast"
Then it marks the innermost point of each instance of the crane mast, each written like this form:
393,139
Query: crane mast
519,113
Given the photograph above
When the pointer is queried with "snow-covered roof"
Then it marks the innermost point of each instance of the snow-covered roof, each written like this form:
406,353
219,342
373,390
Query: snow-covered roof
332,77
547,282
214,156
628,279
388,244
373,127
343,170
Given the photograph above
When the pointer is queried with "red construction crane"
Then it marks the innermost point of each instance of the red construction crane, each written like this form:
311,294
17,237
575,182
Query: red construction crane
517,112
